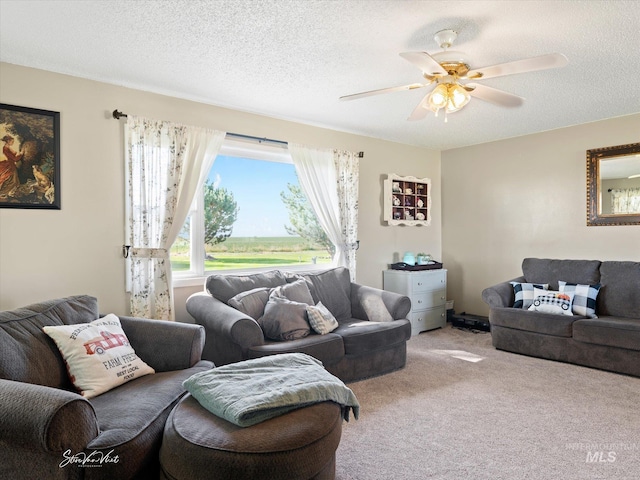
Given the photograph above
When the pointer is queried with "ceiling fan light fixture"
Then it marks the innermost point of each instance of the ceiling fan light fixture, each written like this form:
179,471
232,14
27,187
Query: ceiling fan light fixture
458,96
439,97
450,96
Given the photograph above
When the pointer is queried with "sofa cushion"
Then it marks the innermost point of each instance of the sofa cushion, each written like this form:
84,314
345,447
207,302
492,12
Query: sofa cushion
538,322
619,295
223,287
609,331
524,293
98,355
329,348
284,319
363,337
584,299
251,302
131,420
333,289
27,354
544,270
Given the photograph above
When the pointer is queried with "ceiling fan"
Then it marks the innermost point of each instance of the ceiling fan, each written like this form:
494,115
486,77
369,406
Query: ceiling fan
446,69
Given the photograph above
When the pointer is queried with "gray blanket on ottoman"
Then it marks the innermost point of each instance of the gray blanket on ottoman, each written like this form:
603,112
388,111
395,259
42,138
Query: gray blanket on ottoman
251,391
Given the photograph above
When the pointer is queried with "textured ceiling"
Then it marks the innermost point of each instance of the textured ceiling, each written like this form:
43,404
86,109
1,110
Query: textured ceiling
292,59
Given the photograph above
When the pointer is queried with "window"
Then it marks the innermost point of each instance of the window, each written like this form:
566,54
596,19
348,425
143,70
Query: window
250,228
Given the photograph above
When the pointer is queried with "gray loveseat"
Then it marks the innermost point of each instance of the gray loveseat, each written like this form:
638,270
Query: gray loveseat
609,342
370,339
47,429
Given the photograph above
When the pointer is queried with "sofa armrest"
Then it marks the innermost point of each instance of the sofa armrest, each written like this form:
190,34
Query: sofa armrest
164,345
229,332
369,303
500,295
44,418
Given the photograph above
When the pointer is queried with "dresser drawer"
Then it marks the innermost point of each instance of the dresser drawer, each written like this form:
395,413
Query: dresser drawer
427,320
429,299
427,290
429,281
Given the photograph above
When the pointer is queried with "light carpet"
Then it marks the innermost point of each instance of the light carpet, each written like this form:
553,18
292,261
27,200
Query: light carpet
461,409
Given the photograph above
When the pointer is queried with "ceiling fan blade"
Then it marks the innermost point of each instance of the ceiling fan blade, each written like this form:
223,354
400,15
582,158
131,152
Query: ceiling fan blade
424,62
421,109
355,96
543,62
493,95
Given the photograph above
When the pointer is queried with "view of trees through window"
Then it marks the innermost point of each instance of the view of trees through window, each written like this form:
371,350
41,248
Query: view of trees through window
252,213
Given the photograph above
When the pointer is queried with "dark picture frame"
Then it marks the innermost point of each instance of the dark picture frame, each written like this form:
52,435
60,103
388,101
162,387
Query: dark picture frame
595,157
30,158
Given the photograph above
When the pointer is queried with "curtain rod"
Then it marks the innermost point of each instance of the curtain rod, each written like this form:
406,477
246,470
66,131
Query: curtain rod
118,115
258,139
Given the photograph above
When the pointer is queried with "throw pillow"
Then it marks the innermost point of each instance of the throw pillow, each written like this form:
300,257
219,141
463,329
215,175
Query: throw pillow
524,293
224,286
551,302
332,288
321,319
97,354
584,300
284,319
297,291
251,302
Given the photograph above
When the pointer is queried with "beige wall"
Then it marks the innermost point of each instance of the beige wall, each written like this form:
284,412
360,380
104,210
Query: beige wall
525,197
47,254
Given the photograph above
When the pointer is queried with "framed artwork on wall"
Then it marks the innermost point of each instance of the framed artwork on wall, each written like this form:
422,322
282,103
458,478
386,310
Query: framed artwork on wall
30,158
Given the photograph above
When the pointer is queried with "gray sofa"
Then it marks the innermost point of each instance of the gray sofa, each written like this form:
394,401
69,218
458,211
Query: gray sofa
44,422
370,340
609,342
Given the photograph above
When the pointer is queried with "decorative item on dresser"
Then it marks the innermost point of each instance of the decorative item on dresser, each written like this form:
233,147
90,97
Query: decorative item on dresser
427,290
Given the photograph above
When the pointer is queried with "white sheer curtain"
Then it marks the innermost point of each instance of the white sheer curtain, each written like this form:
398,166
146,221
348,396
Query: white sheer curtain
165,164
330,181
625,200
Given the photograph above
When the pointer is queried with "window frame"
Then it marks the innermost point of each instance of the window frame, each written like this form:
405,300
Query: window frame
254,149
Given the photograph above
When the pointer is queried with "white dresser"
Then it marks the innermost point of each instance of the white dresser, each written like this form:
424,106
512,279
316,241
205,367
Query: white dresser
427,290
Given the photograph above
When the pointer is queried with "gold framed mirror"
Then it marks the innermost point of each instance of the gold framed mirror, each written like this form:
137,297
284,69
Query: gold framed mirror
613,185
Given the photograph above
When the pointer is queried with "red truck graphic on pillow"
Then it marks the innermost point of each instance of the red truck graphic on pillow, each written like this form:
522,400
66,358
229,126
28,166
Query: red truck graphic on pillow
108,340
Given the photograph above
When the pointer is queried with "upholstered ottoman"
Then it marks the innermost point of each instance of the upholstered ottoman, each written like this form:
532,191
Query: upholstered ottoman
297,445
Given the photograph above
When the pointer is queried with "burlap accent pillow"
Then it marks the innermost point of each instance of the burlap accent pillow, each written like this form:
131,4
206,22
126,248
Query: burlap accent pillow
98,355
